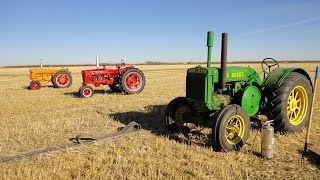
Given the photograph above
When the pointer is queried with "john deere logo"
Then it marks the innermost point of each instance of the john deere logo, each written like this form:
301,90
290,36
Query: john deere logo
235,74
198,71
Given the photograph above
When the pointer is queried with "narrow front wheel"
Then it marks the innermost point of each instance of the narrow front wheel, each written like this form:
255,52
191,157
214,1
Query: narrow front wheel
35,85
86,91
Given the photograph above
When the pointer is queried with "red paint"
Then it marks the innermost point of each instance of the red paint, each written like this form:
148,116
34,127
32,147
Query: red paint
87,92
63,80
103,76
35,86
133,80
127,79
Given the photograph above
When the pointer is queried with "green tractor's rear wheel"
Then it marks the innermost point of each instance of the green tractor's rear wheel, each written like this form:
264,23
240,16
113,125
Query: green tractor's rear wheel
232,128
174,114
62,79
289,105
86,91
35,85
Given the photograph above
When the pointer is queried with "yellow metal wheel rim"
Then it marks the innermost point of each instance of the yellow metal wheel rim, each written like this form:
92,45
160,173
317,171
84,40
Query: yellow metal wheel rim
297,105
235,129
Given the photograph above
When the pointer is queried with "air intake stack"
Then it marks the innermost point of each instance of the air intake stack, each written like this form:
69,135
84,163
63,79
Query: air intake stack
209,44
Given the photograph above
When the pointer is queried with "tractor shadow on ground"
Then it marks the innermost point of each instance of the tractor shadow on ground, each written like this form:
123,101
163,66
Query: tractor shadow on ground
42,86
152,119
99,91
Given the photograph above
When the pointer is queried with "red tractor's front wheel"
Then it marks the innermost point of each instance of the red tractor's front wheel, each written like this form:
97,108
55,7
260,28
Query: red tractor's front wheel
35,85
132,81
86,91
62,79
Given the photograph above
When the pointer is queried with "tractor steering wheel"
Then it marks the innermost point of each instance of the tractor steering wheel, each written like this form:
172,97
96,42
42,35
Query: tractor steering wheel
121,64
270,62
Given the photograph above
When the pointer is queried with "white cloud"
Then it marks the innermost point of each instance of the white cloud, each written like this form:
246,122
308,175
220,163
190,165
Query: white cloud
283,26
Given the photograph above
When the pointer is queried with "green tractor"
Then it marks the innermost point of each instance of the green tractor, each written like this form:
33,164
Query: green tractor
227,99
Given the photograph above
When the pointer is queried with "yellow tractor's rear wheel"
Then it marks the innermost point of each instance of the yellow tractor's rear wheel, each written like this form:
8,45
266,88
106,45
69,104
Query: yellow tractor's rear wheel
289,105
62,79
231,129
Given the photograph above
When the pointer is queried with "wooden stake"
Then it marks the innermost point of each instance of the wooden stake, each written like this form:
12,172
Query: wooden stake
309,124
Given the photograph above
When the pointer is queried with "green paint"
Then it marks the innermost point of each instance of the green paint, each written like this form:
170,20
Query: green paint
243,87
209,44
276,77
250,100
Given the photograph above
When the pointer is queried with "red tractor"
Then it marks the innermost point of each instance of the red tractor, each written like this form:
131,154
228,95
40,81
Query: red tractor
127,79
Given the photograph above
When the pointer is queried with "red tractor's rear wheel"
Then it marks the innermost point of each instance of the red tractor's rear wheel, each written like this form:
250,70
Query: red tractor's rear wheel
132,81
35,85
86,91
62,79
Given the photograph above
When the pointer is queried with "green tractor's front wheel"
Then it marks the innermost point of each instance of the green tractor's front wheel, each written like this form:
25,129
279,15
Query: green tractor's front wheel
231,129
289,105
174,114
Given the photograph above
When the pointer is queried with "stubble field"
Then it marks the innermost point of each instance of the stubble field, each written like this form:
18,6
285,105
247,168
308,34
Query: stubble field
49,117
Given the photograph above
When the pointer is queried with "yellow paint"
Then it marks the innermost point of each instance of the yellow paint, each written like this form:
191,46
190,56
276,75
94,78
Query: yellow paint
236,74
43,75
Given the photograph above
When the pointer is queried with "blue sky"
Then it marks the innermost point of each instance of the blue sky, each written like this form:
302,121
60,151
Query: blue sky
74,31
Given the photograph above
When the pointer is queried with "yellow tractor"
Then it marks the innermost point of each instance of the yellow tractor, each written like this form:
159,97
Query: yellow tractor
60,78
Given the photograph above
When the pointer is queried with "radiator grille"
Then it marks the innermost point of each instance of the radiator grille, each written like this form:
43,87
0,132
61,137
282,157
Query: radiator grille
195,87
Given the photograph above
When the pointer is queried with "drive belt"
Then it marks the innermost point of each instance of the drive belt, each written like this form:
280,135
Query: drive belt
129,128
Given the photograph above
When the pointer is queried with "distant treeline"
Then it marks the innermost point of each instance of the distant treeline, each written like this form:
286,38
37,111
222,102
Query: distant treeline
160,63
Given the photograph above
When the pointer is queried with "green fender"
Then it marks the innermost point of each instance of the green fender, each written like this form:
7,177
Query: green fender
277,76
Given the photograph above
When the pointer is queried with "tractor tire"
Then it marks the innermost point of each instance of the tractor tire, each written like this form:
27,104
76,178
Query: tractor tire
115,88
35,85
173,114
132,81
231,129
289,105
62,79
86,91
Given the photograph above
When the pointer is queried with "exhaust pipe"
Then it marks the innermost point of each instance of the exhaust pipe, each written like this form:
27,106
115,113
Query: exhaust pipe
97,61
223,69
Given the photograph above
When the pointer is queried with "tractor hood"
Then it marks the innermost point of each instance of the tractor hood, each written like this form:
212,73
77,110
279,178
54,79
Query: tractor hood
234,73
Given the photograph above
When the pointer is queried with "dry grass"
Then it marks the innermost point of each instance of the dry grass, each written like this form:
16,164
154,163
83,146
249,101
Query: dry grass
48,117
